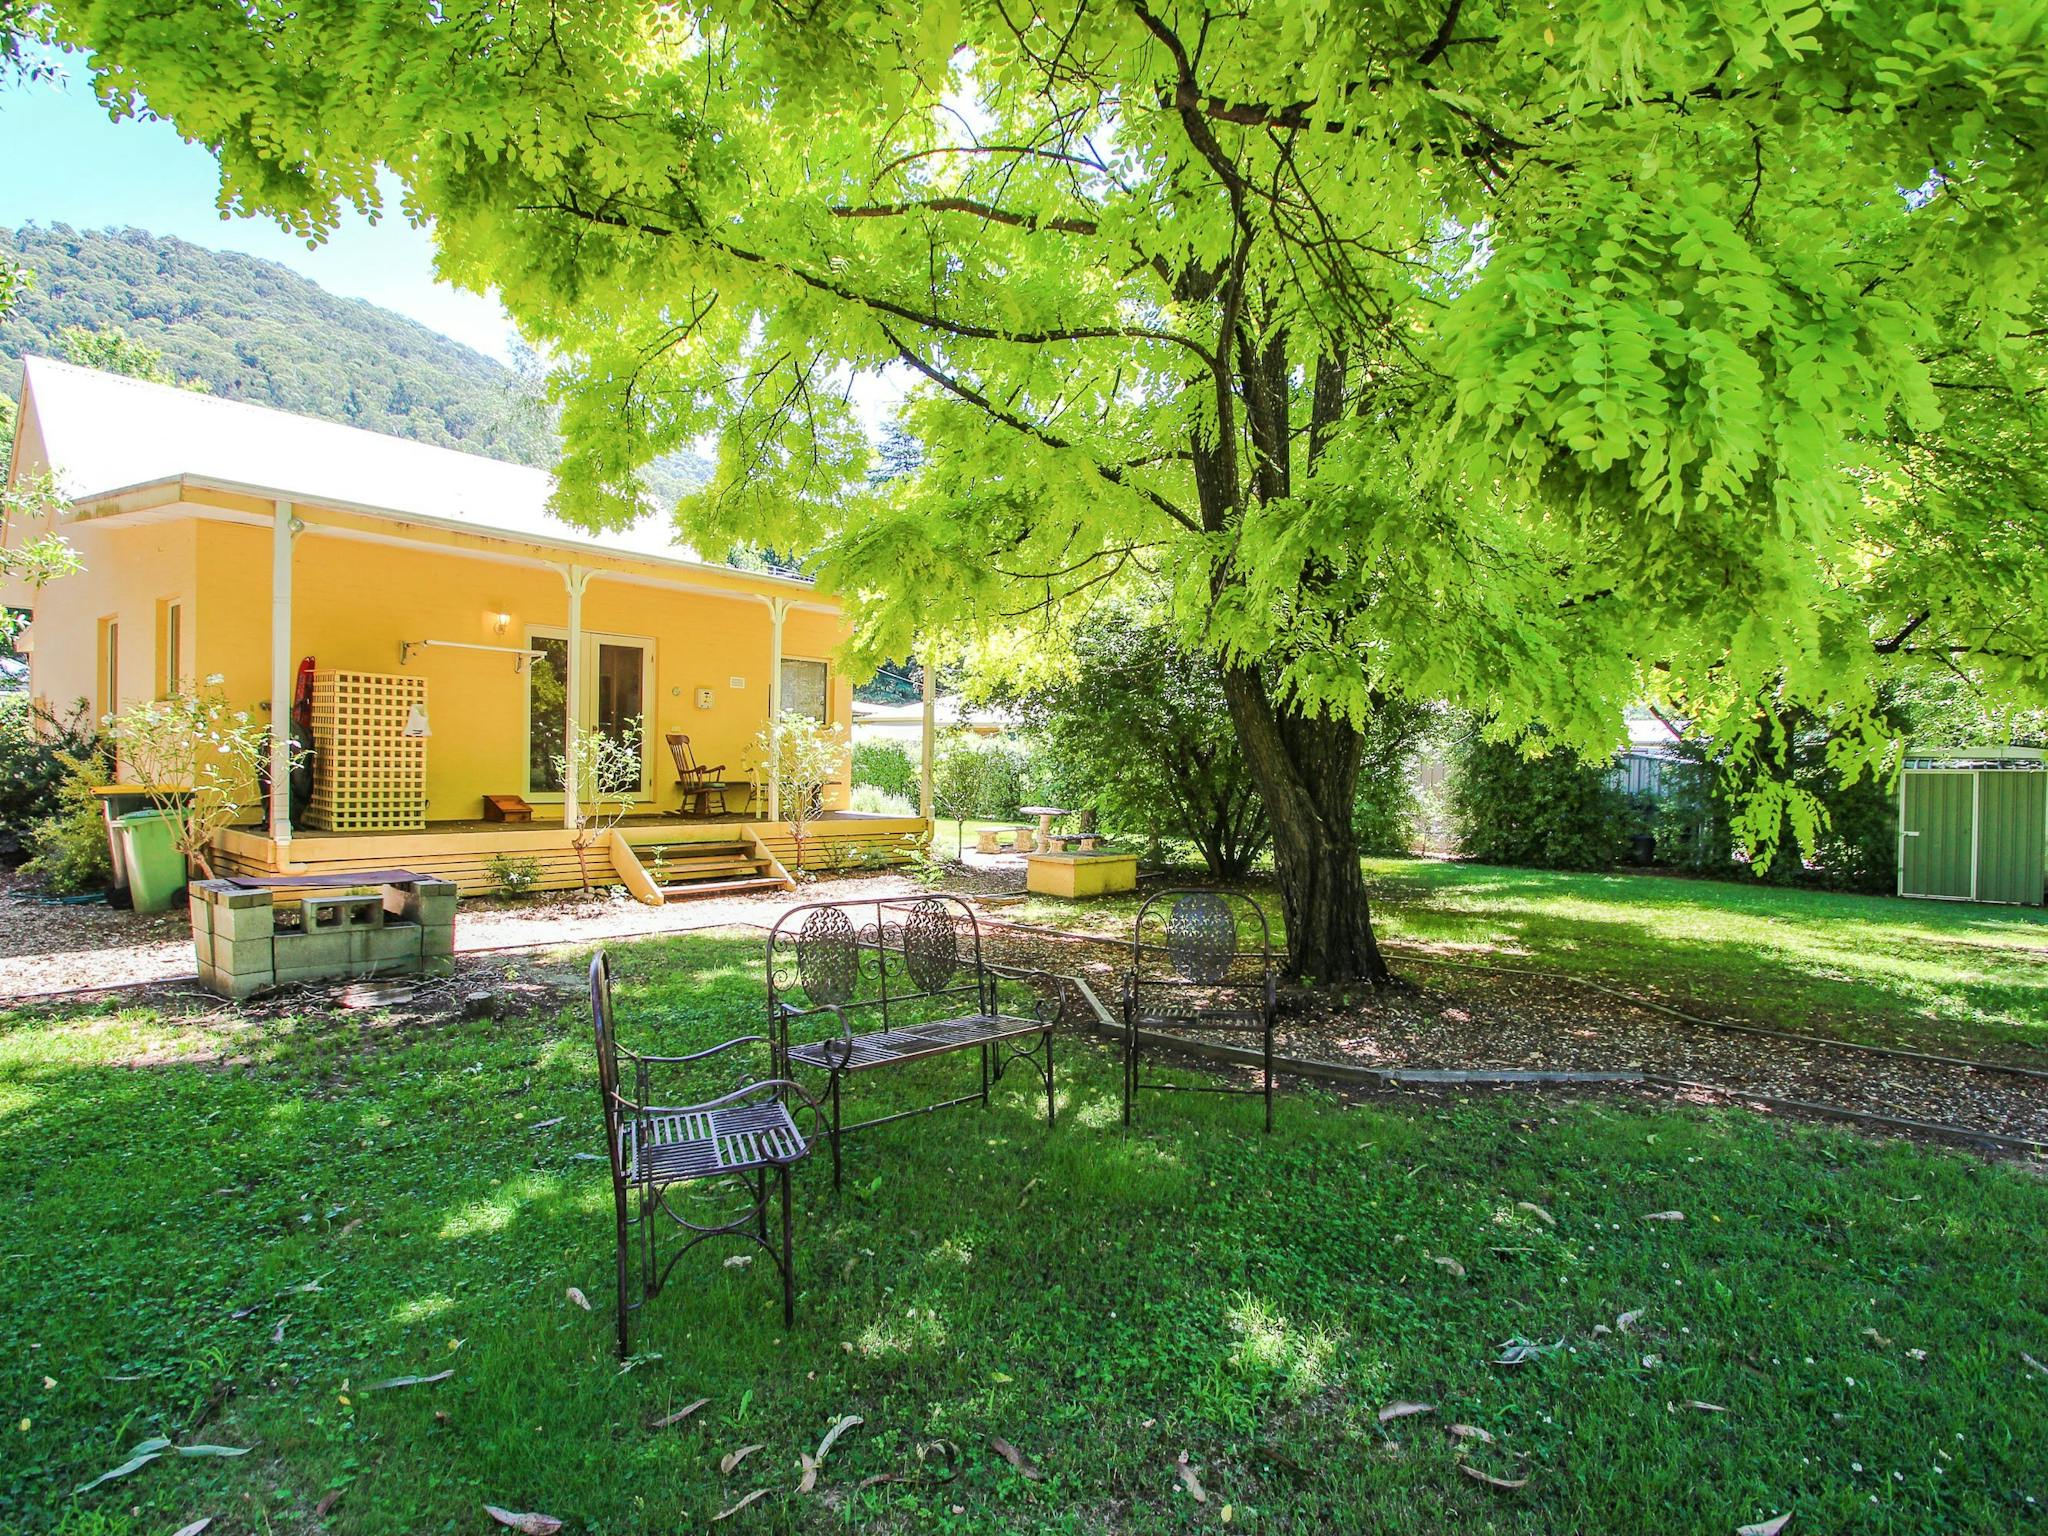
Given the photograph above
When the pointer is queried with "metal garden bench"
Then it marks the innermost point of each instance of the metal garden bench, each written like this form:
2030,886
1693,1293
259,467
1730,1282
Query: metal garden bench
880,983
1188,976
744,1136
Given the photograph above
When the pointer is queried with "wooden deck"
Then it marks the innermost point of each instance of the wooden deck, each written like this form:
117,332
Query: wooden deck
656,857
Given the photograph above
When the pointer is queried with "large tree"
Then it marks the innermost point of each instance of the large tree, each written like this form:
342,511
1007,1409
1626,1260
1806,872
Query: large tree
1535,358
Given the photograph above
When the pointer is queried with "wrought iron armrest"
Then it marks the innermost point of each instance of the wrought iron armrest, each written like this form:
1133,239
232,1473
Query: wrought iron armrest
1049,991
788,1011
698,1055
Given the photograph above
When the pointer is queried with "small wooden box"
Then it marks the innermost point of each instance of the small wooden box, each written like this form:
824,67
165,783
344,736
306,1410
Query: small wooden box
506,808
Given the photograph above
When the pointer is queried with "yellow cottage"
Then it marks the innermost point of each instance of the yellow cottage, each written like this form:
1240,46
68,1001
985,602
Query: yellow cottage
454,632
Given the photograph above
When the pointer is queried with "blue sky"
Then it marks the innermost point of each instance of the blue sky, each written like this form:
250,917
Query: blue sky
62,161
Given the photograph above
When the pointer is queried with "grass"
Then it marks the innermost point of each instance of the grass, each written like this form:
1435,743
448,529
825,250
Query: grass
383,1199
1933,975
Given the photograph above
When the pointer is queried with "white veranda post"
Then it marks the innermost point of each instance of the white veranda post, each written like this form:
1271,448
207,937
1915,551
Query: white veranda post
778,610
575,578
924,752
282,528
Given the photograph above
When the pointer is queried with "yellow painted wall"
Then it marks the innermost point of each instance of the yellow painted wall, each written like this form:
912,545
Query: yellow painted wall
130,572
353,602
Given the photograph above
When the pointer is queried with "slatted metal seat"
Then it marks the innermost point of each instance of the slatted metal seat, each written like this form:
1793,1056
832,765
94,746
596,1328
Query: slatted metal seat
749,1137
1189,975
911,970
700,1143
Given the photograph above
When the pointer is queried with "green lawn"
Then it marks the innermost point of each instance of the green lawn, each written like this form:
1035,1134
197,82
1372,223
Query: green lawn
1935,975
388,1199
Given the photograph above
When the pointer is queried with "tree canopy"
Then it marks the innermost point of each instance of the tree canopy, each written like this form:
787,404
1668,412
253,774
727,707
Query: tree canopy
1535,360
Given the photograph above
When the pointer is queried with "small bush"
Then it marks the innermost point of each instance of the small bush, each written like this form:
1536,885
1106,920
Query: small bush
873,800
886,766
512,874
33,742
1552,812
70,844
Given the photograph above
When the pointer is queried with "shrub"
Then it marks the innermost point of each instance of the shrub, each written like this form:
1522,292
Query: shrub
1855,849
33,746
973,777
1553,812
198,759
1139,732
1386,814
887,766
70,844
873,801
512,874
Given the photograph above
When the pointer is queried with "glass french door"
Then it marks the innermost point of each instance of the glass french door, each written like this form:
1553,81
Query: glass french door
618,682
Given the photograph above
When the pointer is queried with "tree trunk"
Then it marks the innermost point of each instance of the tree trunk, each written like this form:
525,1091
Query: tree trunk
1307,772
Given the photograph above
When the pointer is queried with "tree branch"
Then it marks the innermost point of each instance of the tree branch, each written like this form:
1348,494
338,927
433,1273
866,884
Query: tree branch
962,390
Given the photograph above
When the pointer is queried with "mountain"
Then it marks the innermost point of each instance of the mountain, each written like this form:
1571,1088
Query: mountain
249,329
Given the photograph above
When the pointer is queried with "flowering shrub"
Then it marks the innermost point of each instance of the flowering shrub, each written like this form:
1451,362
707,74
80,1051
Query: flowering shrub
197,757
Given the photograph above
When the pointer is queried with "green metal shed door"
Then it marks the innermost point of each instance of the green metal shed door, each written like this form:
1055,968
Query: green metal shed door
1937,824
2012,809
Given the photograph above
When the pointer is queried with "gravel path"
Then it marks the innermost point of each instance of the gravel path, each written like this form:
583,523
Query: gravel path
1457,1014
46,948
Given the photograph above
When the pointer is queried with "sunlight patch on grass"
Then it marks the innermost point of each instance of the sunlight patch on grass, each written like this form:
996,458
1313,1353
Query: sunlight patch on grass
1300,1362
496,1212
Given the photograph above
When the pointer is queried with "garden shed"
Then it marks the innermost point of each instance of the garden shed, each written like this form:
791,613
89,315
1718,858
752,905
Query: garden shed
1973,824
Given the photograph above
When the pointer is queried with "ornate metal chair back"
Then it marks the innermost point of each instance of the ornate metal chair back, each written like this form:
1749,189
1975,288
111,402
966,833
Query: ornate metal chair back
1199,938
871,954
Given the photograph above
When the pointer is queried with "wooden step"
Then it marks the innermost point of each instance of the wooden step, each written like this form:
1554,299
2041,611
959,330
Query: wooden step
719,887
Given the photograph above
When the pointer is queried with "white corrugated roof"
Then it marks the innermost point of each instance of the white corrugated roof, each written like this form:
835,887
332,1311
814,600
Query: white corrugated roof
105,433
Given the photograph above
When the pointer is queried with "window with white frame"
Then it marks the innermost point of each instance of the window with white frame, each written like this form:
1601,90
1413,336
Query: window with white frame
806,689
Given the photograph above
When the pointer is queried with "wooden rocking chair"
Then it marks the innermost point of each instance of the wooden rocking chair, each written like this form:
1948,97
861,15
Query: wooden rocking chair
700,783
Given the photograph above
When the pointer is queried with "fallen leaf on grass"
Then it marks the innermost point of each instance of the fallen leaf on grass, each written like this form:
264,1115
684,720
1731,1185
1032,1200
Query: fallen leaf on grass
1468,1432
344,1232
740,1261
1026,1467
541,1125
1765,1527
1706,1407
1402,1410
527,1523
1876,1338
1627,1320
832,1435
1665,1216
2037,1365
579,1298
875,1480
1189,1481
758,1493
1448,1263
810,1477
195,1527
150,1450
1520,1351
405,1381
1490,1480
679,1415
327,1501
732,1459
1537,1211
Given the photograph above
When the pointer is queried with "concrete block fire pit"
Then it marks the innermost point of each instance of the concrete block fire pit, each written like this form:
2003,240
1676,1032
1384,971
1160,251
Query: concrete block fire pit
247,937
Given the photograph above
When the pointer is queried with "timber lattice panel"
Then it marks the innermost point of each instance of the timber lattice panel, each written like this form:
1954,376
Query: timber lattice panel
368,775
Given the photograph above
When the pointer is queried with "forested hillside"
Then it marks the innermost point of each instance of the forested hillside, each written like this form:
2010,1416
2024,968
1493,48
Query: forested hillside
253,330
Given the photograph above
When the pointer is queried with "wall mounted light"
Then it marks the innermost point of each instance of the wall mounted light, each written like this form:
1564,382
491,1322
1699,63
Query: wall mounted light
501,621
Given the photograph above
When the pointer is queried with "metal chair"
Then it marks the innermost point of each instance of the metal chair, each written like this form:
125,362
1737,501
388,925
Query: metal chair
747,1134
699,782
1206,984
